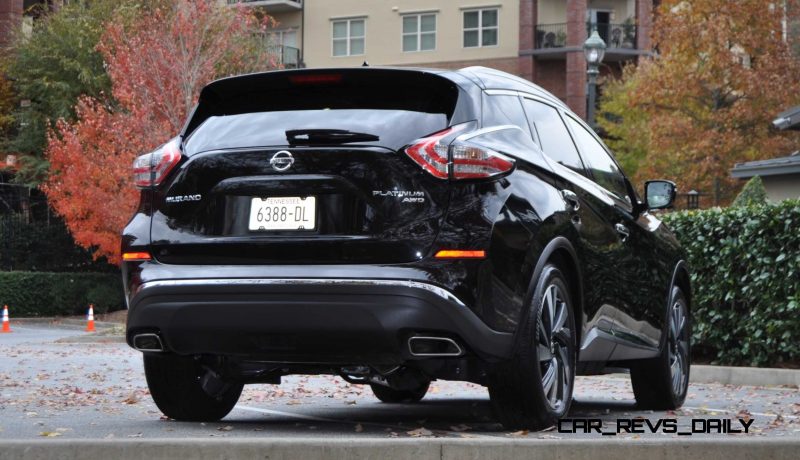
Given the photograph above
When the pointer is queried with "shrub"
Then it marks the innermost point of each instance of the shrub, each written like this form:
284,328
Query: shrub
753,193
745,265
30,294
44,246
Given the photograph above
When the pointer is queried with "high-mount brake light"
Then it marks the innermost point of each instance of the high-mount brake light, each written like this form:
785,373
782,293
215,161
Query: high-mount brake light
316,79
152,168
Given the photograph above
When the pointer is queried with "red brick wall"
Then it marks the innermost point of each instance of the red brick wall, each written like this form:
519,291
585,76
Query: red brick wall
527,32
550,75
576,63
10,18
644,22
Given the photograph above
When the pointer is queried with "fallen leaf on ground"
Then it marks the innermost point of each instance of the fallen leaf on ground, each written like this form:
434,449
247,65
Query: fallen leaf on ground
459,428
519,433
50,434
420,432
225,428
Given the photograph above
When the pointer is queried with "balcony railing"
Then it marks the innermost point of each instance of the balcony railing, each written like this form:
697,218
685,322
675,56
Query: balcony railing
277,5
287,56
616,36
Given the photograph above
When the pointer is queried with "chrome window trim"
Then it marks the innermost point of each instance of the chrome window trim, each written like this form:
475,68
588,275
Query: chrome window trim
490,129
441,292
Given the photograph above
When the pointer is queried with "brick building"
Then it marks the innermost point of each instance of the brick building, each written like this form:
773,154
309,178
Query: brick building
540,40
10,17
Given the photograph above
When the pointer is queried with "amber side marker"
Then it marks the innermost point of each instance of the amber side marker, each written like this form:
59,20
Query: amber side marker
136,256
460,254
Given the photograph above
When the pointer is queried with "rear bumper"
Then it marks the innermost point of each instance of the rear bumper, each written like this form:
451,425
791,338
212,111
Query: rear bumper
307,320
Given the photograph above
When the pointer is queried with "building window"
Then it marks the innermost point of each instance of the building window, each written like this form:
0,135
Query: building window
480,28
349,36
419,32
285,37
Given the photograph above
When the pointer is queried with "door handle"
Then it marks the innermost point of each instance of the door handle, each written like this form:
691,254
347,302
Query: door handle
623,231
571,199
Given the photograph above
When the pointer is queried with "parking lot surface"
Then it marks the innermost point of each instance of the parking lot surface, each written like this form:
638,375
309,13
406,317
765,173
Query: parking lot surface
52,389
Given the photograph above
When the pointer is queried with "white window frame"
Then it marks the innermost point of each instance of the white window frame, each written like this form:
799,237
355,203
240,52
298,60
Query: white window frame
480,27
419,33
279,35
348,38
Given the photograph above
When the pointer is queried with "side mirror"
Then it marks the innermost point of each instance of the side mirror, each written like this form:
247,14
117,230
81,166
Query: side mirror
659,194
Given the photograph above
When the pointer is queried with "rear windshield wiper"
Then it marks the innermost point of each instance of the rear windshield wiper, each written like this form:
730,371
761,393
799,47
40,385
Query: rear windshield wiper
327,136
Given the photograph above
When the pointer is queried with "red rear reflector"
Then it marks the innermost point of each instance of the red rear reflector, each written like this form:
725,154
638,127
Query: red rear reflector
136,256
315,79
460,254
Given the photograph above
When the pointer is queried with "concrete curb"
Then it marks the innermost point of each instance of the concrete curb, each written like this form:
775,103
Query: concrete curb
66,323
723,448
755,376
93,338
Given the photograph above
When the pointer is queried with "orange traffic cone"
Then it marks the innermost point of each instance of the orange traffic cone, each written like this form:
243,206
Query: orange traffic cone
6,324
90,319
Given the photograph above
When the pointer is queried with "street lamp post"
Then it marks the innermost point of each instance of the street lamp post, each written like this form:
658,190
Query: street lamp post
594,48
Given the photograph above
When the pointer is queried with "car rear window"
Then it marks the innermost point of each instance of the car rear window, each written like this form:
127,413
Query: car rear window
256,110
395,128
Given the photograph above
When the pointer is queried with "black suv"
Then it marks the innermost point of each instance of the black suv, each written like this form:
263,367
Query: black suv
396,226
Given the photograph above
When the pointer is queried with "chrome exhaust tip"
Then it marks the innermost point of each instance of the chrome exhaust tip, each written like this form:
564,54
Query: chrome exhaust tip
149,342
429,347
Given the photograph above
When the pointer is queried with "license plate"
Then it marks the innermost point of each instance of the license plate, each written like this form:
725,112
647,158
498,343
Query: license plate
283,213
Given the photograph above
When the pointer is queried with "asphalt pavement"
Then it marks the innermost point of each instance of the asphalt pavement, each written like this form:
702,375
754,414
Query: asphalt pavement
56,390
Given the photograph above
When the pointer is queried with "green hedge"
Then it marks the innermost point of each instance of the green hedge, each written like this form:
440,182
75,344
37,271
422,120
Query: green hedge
746,281
29,294
32,246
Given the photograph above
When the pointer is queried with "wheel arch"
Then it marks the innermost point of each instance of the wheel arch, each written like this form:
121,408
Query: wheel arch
682,279
561,252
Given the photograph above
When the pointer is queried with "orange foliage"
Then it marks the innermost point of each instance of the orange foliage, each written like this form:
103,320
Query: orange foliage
157,66
722,74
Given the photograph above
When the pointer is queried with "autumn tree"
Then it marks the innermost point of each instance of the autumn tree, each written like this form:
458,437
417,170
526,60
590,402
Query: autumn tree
51,67
157,66
706,100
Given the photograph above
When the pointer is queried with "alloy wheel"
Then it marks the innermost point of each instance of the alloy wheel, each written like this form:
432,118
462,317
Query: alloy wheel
553,341
678,347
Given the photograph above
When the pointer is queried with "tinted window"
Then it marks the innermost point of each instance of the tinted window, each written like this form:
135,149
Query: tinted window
599,162
395,128
553,135
504,110
398,106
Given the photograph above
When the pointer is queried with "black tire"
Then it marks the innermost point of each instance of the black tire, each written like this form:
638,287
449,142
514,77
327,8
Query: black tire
654,384
174,383
517,390
392,396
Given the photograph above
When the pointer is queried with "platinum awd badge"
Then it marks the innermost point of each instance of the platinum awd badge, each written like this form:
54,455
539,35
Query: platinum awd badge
405,196
184,198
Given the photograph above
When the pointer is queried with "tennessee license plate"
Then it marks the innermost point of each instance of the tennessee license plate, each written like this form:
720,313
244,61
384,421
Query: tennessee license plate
283,213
